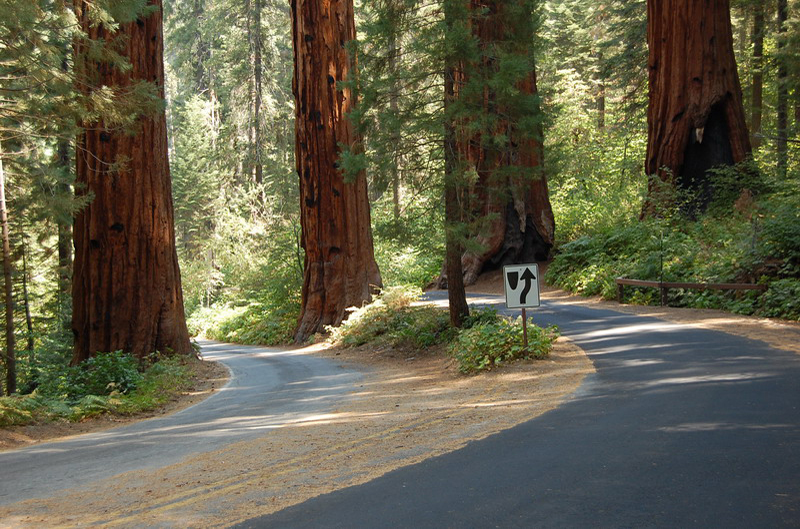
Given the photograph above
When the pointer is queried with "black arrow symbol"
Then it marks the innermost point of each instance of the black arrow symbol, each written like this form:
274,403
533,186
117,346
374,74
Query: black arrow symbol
528,277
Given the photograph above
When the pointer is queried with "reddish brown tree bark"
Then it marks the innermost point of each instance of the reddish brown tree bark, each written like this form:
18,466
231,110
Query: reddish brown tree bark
340,268
695,118
518,224
126,283
510,194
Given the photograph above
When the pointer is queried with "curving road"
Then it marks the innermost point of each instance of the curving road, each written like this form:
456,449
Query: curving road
269,387
679,427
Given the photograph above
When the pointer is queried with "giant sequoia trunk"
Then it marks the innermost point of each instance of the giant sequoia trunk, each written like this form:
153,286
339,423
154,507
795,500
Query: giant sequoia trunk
126,283
509,199
695,118
517,219
340,269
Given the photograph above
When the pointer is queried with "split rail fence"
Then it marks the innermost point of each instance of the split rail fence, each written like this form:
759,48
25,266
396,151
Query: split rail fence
665,286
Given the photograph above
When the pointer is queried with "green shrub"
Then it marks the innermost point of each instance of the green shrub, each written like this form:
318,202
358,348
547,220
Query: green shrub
391,319
105,373
782,300
481,316
727,183
486,345
782,233
92,406
254,324
160,382
486,339
711,250
17,410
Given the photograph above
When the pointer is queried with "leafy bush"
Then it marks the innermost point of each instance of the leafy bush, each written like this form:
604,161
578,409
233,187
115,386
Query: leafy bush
93,405
727,183
715,248
782,300
163,380
48,361
486,345
710,250
104,374
782,233
18,410
391,319
589,265
254,324
481,316
486,340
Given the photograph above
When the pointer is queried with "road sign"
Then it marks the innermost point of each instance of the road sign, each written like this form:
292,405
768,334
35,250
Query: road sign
521,285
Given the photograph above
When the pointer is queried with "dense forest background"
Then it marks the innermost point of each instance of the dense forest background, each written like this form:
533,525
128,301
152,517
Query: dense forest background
231,111
230,119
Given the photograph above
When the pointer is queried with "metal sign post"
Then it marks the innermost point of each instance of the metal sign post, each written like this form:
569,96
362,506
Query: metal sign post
524,329
521,284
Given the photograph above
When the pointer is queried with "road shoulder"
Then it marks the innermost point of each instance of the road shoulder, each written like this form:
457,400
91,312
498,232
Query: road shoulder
406,409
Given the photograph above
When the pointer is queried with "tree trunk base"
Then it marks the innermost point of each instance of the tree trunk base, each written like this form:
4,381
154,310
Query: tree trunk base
517,246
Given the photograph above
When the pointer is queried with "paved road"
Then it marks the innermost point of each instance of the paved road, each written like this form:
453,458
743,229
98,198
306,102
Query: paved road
268,388
679,427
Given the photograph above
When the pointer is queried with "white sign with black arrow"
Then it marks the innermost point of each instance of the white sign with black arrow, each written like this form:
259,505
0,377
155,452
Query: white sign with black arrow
521,286
522,291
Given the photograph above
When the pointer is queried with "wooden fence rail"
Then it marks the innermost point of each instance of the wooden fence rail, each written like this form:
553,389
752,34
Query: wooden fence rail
665,286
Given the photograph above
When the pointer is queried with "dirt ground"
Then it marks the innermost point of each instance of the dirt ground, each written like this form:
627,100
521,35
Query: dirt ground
409,407
405,410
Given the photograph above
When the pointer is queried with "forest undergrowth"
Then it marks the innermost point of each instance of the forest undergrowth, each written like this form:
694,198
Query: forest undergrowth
235,186
486,341
108,384
750,238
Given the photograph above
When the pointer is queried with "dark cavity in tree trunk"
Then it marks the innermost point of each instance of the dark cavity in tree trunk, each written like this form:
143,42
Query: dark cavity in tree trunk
704,152
695,117
518,224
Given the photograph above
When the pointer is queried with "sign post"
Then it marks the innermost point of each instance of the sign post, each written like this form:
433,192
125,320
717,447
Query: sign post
521,284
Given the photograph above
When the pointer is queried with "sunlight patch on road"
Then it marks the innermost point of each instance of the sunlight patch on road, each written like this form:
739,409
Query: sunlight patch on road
635,329
720,426
704,379
640,363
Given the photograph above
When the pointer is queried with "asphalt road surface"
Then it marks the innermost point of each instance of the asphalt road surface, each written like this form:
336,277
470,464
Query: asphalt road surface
269,387
679,427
